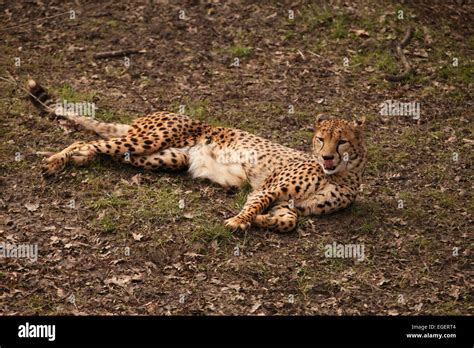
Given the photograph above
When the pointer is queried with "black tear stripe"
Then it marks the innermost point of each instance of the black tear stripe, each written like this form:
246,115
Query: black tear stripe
337,150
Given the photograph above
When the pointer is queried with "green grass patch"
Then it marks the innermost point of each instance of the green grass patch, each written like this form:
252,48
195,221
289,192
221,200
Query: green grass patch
452,307
107,224
443,199
109,201
462,74
316,16
422,244
115,116
240,198
340,27
364,209
299,137
382,60
377,159
368,226
207,231
68,93
304,278
71,95
37,304
302,220
142,205
240,51
197,109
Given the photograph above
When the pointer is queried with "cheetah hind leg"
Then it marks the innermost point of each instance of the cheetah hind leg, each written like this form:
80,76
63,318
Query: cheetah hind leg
82,153
279,218
79,153
168,159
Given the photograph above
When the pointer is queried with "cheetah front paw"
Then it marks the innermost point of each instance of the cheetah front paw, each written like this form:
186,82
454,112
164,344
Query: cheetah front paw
237,223
52,165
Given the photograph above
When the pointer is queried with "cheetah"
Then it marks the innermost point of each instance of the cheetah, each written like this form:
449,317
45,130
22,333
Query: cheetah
285,182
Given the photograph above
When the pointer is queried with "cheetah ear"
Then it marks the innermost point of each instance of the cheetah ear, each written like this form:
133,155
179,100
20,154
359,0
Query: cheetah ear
320,118
360,122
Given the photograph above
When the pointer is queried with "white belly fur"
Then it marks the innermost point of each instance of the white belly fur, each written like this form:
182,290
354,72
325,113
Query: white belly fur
204,163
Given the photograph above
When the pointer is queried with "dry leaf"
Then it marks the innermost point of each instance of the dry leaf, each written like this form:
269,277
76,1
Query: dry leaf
192,254
137,236
120,281
201,276
32,206
360,32
420,53
60,293
136,179
255,307
418,307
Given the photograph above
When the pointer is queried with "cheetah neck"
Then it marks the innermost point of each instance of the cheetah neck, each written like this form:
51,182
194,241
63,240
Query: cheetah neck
354,174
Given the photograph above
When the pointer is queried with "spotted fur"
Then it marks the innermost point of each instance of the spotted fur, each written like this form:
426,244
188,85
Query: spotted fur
285,182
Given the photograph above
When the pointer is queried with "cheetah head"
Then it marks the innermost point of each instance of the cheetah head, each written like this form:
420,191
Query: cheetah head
339,145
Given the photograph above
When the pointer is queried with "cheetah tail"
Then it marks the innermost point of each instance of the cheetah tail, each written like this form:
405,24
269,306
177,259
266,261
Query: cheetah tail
40,98
53,107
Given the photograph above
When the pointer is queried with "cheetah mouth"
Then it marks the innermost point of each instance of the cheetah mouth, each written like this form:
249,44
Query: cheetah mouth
329,168
329,165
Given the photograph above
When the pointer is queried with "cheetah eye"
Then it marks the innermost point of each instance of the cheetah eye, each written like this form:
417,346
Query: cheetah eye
320,139
342,142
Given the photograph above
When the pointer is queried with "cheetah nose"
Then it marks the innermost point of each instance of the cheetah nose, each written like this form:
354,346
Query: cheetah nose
328,161
329,164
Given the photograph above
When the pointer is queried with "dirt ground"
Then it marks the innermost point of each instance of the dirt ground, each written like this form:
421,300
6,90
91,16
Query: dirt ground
114,239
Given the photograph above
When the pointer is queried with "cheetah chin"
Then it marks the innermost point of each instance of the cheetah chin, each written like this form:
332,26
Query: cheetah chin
332,171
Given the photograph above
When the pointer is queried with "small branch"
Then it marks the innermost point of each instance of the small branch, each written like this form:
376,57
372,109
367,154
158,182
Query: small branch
35,20
408,69
113,54
301,54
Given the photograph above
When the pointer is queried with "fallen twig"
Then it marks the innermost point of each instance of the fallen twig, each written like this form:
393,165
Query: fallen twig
35,20
408,69
120,53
